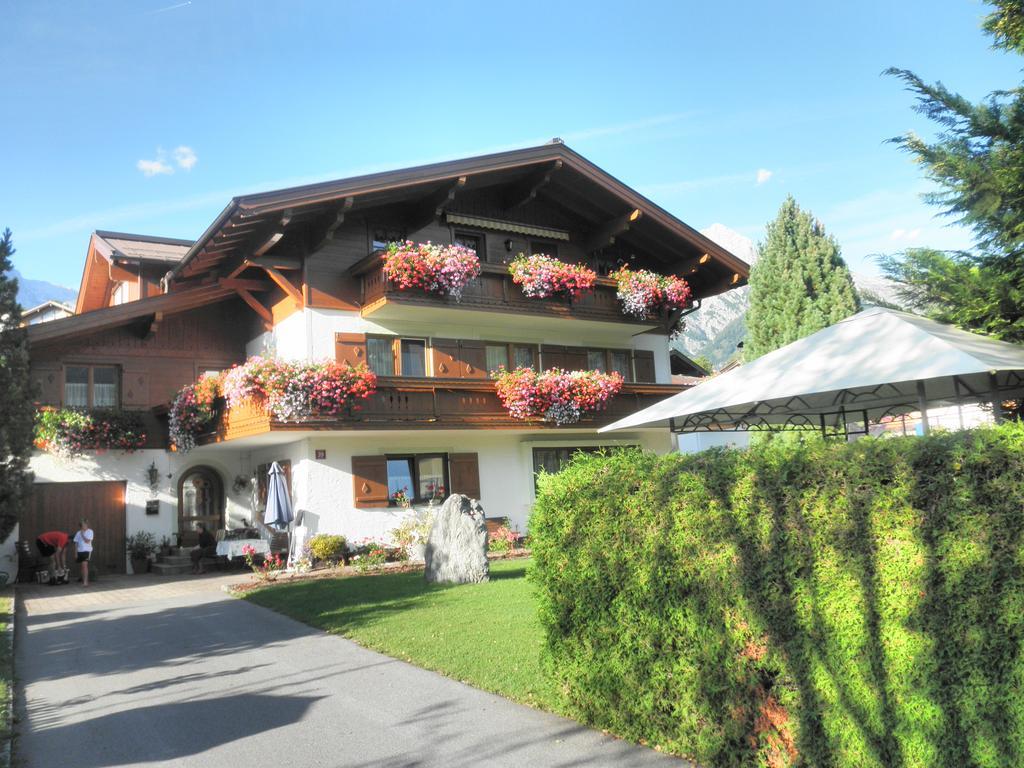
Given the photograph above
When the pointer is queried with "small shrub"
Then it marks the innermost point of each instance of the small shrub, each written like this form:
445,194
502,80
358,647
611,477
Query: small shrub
503,539
800,603
327,548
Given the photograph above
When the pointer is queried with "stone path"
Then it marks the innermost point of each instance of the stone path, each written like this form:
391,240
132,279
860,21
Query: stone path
141,671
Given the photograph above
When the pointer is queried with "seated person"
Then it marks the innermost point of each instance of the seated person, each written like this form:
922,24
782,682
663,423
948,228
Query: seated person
207,548
51,545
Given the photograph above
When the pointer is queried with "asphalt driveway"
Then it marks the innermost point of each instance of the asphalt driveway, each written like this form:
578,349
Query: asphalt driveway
158,673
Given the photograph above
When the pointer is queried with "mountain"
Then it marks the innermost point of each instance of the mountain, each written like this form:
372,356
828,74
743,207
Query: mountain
719,325
31,293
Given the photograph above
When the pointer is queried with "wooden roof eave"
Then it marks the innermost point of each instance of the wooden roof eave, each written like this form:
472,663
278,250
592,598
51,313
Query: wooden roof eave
122,314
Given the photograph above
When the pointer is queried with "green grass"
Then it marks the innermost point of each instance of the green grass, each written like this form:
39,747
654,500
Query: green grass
6,673
486,635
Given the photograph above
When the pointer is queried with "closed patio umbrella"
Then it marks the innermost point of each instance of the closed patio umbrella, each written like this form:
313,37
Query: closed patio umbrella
279,503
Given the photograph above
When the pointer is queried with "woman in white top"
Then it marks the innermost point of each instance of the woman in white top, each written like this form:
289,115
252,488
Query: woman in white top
83,546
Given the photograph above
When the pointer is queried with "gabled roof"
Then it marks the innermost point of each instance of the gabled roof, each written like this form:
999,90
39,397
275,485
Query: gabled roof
251,224
162,250
48,304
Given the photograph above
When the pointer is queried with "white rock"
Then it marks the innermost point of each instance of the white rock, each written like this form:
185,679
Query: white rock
456,550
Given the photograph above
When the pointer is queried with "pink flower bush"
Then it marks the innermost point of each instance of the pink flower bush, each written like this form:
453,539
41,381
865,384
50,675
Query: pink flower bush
543,276
289,391
69,432
555,395
443,269
643,292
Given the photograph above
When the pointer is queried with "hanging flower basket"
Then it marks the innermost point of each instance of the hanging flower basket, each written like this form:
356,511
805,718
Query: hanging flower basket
542,276
192,411
643,292
69,432
562,397
442,269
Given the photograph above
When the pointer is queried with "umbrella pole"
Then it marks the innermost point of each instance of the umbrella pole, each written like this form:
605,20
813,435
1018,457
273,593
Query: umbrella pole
922,404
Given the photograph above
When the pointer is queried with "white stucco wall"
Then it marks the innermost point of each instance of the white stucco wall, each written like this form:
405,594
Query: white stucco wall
324,487
132,467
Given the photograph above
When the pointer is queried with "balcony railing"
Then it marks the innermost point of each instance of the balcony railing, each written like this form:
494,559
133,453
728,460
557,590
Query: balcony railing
492,291
401,403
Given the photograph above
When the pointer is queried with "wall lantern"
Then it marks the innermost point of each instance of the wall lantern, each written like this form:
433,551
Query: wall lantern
153,475
508,244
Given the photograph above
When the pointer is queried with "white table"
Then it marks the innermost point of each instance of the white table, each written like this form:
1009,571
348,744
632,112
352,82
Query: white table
231,548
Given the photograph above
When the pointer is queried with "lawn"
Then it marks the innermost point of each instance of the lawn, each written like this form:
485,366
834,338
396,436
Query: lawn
6,675
486,635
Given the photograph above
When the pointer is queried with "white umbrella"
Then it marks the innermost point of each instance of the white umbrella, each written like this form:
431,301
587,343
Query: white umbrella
279,503
878,362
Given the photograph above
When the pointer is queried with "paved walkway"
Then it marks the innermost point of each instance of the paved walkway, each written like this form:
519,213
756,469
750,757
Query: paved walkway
140,671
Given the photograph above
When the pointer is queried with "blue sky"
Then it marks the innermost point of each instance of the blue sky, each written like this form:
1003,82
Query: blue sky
147,116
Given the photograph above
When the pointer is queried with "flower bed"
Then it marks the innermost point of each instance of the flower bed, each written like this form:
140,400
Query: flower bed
68,432
555,395
443,269
643,292
542,276
290,391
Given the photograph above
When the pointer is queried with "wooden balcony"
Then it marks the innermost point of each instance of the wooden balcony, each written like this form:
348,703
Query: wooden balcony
428,403
492,291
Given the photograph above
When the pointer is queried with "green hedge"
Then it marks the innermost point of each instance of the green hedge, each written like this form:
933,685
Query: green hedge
813,604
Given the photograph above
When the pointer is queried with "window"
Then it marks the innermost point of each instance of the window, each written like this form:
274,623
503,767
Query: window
620,363
595,360
548,249
497,356
421,477
413,357
120,293
475,243
380,355
91,386
384,236
524,356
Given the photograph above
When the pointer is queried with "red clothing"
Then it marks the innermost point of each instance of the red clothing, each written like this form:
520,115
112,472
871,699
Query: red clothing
57,539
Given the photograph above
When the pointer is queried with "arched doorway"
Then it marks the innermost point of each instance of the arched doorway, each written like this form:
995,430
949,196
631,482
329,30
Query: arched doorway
200,500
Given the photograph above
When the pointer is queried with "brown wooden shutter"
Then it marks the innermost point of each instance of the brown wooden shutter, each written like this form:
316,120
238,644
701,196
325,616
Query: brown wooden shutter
575,359
473,357
445,358
370,481
643,362
552,357
464,471
350,348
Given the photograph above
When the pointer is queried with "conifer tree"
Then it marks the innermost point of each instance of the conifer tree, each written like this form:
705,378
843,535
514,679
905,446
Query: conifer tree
977,162
799,284
17,412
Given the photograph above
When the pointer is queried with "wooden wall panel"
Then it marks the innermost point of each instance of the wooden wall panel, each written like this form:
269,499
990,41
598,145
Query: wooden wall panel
60,507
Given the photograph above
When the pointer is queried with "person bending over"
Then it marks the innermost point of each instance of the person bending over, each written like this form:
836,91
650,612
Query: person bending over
51,545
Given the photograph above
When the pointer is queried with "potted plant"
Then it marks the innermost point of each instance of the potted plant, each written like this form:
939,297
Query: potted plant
140,546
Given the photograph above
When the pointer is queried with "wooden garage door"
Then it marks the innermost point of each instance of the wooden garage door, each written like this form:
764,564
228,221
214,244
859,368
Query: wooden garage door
59,507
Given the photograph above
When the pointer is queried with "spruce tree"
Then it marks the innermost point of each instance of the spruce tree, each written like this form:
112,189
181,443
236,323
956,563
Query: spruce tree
977,162
799,284
17,412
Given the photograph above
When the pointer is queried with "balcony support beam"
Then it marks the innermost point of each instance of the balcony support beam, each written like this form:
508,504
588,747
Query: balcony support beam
324,233
527,190
435,206
606,235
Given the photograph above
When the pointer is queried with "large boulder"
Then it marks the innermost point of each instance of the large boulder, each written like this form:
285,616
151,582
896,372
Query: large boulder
457,546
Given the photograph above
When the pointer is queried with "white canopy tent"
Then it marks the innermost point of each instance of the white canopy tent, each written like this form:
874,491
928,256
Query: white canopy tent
877,363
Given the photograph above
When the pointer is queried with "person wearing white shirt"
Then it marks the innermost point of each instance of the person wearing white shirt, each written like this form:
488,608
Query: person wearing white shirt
83,548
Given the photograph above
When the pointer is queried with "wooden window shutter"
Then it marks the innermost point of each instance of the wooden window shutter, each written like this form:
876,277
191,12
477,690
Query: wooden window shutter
473,358
464,469
350,348
575,359
552,357
370,481
444,357
643,361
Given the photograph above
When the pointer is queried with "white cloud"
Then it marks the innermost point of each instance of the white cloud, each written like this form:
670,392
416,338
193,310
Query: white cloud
185,157
154,167
763,174
907,235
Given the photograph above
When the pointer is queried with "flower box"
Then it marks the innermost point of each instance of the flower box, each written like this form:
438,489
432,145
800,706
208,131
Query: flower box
542,276
562,397
442,269
643,292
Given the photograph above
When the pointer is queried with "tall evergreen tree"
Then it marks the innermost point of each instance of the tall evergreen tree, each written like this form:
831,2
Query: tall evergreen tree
799,284
17,413
977,160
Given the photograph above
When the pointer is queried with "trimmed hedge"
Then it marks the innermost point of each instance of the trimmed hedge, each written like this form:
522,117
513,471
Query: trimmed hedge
810,603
